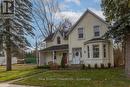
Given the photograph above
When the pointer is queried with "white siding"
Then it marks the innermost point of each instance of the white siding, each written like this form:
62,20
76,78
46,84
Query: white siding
87,23
54,41
3,60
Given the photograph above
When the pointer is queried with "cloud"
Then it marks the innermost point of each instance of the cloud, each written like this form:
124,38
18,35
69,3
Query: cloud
98,12
63,6
74,16
71,15
75,1
97,1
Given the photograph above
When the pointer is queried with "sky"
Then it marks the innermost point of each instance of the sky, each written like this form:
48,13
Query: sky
73,9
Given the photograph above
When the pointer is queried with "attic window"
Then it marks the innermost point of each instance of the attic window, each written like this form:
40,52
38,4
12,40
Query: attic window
96,31
58,40
80,33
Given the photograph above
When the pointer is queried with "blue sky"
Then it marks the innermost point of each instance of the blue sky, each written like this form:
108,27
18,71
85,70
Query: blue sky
81,4
73,9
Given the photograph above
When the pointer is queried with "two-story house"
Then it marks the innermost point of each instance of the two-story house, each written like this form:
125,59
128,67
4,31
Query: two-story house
56,48
82,44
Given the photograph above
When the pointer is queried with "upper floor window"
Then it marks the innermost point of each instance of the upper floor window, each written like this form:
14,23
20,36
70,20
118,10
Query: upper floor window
96,31
58,40
95,51
80,33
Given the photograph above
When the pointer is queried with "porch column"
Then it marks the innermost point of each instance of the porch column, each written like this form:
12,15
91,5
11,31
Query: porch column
90,50
107,52
53,53
101,51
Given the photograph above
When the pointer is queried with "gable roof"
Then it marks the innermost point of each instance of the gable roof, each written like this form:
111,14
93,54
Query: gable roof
51,36
86,12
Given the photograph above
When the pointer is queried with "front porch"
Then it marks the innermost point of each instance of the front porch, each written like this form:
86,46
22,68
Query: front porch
53,54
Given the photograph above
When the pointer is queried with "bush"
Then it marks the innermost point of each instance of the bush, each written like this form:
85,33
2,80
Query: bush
62,63
109,65
43,67
96,66
54,66
83,67
50,62
102,65
89,66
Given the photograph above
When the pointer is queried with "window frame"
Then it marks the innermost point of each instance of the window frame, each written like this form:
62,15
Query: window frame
104,51
79,33
96,31
88,51
96,51
58,40
55,57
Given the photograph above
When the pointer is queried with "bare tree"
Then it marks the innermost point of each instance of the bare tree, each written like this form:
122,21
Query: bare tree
44,15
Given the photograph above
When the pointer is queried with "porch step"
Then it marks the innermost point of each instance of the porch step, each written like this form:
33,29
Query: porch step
76,66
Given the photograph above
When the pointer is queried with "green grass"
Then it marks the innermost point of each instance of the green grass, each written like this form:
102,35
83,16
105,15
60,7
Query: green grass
82,78
17,72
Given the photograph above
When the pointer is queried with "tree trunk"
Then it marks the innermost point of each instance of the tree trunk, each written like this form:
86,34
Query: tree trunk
8,47
127,57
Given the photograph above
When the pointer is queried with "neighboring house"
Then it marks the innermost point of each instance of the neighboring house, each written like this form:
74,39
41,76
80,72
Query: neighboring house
3,58
82,44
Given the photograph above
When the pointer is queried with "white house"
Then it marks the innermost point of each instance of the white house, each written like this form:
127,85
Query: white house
82,44
3,59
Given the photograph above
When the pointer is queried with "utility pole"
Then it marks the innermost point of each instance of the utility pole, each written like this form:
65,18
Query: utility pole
37,56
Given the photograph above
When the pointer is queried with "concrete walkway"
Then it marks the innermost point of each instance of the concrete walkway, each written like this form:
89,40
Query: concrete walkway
12,85
9,83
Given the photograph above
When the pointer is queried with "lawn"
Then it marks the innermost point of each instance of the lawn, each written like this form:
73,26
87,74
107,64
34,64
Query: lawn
81,78
19,70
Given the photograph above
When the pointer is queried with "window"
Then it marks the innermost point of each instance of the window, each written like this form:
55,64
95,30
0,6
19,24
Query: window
58,40
54,54
104,50
96,31
95,51
80,33
77,53
88,52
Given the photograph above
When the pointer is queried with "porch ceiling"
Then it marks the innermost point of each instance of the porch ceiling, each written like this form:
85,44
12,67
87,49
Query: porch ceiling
55,48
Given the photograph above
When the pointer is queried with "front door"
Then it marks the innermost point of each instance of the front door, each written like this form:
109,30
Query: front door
76,56
65,58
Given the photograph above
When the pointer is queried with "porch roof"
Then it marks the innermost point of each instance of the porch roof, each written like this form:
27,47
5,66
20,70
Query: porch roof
56,48
96,40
